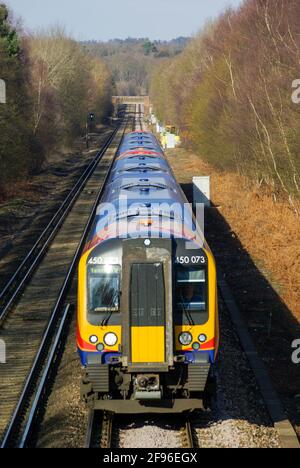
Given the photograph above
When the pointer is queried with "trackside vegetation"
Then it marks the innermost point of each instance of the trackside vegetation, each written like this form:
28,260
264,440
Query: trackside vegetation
230,93
52,83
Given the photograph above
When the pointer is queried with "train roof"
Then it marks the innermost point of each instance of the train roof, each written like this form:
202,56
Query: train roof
139,140
139,134
138,173
139,145
141,154
142,178
141,181
149,186
141,164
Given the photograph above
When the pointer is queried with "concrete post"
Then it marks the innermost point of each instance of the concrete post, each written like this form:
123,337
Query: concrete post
2,92
201,190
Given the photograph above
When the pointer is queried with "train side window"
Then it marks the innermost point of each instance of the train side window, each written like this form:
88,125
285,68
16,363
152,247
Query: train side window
191,289
104,288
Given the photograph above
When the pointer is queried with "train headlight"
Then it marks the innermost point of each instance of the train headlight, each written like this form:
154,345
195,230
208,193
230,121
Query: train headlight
185,338
94,339
110,339
100,347
202,338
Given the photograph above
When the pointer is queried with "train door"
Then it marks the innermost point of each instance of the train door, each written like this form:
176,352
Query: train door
147,313
147,304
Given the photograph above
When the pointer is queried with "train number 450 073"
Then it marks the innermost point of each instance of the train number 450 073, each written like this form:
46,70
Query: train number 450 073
195,260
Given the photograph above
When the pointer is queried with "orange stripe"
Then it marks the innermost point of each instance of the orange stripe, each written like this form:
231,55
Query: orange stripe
142,152
99,238
83,345
209,346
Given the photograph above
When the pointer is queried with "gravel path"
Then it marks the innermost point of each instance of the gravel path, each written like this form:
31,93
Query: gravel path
239,417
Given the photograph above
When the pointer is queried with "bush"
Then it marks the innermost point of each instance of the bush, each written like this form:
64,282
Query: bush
67,84
52,84
230,93
15,114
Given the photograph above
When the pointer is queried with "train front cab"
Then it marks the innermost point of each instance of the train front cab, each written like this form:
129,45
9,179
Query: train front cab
167,332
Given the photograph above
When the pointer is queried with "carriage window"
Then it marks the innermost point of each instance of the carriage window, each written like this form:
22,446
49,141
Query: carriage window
191,289
104,288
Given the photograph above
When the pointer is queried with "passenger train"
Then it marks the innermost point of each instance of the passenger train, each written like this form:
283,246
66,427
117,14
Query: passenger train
147,315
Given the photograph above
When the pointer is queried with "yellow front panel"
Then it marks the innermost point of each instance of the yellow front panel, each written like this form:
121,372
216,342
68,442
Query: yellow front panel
148,344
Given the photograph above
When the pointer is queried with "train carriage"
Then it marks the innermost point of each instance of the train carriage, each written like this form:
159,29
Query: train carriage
147,330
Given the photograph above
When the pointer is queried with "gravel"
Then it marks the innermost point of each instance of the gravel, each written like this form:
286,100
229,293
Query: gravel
145,432
238,417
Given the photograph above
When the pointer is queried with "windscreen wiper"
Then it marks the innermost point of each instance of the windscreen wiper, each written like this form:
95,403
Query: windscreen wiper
187,312
110,310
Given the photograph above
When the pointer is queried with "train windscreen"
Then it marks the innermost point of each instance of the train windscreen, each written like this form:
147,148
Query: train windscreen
104,288
191,294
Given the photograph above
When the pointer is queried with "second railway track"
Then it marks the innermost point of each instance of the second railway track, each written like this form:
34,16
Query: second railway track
15,285
35,322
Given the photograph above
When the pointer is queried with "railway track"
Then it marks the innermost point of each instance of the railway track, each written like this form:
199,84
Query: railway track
102,425
102,430
14,287
35,323
187,437
140,118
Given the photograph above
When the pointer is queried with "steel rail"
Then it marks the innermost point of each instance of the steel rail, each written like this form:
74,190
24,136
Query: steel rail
40,393
90,428
106,430
99,429
186,434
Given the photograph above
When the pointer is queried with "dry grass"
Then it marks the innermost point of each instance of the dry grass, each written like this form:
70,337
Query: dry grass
268,230
20,189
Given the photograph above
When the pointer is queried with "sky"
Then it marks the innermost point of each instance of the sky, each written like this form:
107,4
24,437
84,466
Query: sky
108,19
